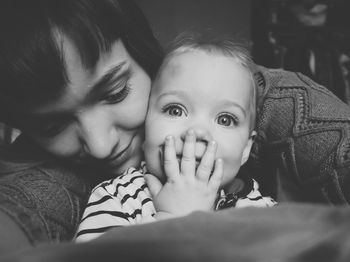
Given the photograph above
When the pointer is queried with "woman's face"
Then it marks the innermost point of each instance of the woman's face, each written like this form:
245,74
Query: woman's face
99,117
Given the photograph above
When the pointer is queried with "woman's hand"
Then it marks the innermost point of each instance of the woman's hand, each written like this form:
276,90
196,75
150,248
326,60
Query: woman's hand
187,188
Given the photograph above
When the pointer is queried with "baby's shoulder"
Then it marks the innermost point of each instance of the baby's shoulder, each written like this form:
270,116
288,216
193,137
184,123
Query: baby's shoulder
132,178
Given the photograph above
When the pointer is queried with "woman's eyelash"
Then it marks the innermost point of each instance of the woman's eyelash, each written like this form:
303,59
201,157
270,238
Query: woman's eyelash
114,97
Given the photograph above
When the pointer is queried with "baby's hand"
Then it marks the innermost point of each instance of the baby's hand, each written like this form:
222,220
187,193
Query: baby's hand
186,189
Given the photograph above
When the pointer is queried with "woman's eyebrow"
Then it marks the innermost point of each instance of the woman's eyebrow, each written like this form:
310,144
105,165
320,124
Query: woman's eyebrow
112,75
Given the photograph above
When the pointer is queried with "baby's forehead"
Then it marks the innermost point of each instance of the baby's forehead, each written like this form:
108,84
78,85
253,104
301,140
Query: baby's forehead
182,60
182,56
203,65
190,60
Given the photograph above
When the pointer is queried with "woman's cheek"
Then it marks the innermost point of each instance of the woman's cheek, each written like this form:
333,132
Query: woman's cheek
64,144
131,114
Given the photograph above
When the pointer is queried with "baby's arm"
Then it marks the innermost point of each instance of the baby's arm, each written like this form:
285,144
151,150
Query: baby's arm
186,189
122,201
98,215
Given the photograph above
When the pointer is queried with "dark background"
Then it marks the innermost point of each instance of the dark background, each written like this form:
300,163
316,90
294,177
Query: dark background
171,17
307,36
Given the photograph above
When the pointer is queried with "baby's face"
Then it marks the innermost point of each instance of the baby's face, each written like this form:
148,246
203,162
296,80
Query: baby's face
209,93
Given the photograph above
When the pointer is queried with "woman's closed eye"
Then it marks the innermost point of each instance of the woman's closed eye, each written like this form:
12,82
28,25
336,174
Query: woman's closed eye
174,110
227,120
116,95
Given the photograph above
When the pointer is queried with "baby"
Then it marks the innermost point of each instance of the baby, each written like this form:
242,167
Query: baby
198,133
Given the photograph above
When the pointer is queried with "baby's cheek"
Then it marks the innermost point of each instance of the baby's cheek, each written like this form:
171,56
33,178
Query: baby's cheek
231,167
151,152
154,163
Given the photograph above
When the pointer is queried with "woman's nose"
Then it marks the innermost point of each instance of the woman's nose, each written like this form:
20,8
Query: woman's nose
98,134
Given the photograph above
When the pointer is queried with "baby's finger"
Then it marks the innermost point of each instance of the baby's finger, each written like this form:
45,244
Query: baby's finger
207,162
218,174
171,166
188,160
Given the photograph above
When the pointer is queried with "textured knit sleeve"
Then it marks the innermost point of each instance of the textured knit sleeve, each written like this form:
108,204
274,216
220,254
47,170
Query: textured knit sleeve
302,148
122,201
45,201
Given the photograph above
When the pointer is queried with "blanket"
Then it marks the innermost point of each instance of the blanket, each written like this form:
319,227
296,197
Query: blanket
289,232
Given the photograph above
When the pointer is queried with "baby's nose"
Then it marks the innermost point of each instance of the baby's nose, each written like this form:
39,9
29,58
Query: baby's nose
202,134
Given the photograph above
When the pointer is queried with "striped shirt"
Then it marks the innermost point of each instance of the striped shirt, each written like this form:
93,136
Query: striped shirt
126,200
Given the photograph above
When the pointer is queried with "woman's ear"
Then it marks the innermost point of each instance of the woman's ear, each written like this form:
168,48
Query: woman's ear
248,147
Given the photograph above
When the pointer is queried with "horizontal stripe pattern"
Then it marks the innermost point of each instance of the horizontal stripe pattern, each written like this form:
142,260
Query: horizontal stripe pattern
126,200
122,201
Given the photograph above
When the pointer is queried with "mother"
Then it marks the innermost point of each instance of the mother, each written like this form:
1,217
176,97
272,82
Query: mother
75,78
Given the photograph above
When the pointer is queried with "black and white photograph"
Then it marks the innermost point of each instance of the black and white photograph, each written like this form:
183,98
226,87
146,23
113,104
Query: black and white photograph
175,130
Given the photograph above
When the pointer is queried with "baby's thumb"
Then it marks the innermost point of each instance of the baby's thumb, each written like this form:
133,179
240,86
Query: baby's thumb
153,184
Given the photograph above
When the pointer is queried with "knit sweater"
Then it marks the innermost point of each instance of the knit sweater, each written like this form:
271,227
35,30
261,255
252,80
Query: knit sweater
302,150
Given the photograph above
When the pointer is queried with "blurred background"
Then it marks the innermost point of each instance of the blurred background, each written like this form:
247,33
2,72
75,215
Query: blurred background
171,17
308,36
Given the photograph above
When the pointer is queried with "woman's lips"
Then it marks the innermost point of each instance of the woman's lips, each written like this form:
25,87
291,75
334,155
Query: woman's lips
121,156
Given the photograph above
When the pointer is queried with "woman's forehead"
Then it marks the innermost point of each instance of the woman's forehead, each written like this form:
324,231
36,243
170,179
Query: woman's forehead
82,81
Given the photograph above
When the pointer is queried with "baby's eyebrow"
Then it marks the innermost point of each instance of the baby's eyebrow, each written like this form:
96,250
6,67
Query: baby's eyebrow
177,93
229,103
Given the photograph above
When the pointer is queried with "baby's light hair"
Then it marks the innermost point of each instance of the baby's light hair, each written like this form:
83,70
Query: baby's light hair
223,45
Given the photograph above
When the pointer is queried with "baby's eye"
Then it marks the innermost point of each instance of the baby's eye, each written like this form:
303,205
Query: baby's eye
227,120
174,110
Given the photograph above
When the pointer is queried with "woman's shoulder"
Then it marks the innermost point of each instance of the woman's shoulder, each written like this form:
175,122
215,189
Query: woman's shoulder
19,156
43,197
26,161
44,201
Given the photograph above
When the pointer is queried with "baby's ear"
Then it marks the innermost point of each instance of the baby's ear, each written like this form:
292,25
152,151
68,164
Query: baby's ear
248,147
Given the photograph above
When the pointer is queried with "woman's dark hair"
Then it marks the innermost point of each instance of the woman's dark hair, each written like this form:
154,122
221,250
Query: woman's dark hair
32,68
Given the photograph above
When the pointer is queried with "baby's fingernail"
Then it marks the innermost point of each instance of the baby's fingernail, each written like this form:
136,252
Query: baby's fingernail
190,132
168,139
